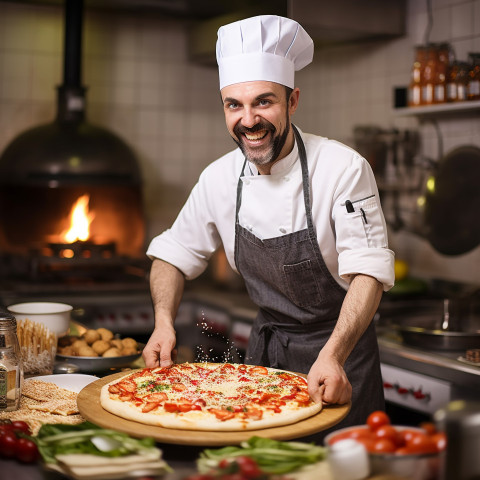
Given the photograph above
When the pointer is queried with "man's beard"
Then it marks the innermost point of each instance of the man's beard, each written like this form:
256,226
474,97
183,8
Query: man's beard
276,142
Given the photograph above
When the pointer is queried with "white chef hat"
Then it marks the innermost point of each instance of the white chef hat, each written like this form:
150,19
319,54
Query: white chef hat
266,47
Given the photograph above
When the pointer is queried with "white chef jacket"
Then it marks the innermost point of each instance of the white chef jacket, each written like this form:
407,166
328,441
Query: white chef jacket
273,205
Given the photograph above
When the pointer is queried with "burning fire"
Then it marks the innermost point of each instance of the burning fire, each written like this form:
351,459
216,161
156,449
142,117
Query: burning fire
80,220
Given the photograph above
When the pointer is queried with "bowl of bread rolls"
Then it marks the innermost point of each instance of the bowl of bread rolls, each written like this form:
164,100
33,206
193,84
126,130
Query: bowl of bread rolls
98,350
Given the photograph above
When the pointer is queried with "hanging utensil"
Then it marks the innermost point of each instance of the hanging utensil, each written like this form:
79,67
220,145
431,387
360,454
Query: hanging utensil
452,202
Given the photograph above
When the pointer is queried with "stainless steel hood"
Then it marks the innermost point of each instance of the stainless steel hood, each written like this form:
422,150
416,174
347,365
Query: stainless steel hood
328,22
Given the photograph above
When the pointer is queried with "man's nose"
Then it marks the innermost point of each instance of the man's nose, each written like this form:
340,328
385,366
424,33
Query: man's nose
249,118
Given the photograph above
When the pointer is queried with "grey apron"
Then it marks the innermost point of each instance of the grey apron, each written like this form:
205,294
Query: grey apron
299,302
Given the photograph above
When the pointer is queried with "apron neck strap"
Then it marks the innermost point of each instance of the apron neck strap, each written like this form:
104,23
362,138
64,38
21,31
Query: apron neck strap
305,177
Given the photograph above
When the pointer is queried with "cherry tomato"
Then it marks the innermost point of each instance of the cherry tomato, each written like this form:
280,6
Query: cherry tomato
440,440
224,463
421,443
8,444
383,445
26,450
389,432
6,427
248,467
404,436
21,426
429,427
377,419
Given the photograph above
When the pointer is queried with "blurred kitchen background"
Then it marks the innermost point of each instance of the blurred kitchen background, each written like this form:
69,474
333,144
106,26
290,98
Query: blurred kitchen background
151,79
109,126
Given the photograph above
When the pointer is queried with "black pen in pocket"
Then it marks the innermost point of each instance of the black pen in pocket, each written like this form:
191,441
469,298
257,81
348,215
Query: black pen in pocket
349,206
363,215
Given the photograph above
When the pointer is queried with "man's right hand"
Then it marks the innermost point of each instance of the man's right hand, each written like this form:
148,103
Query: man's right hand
160,348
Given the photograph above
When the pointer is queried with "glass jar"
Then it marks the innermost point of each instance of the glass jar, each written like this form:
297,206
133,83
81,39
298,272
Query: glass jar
11,371
415,87
429,72
462,81
451,87
473,87
441,68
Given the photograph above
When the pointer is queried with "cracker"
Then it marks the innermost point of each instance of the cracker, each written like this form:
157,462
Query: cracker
44,402
44,391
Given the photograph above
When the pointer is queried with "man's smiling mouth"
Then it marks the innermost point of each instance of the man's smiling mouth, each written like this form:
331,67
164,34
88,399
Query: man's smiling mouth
253,136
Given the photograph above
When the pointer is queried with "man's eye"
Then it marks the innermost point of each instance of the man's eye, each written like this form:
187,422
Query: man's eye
232,106
263,103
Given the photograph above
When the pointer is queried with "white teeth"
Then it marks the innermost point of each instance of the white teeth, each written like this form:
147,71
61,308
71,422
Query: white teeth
256,136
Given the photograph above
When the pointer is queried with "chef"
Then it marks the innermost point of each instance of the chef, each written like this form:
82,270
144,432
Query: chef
300,220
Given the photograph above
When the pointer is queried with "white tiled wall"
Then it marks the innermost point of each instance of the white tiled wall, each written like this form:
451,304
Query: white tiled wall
142,86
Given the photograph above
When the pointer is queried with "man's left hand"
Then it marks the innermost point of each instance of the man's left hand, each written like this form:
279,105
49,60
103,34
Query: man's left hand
327,381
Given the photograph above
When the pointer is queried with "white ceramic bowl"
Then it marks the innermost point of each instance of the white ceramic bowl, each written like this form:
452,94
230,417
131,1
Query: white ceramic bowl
426,466
55,316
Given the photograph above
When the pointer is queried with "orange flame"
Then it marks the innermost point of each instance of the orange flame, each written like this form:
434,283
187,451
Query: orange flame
80,220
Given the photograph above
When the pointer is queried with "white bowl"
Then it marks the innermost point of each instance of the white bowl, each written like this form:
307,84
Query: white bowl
55,316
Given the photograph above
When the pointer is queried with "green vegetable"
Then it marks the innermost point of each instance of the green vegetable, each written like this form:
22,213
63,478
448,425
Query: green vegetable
272,456
86,438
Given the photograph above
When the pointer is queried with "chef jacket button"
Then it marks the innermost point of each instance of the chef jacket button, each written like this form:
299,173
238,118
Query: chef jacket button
247,182
287,179
283,230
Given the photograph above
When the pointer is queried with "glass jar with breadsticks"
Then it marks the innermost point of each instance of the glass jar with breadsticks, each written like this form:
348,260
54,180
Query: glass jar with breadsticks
38,346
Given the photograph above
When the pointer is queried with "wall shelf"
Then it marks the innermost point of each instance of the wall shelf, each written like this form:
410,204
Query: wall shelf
439,109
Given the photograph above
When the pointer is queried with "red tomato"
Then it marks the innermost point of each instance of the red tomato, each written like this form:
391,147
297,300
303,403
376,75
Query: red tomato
224,463
377,419
421,443
383,445
248,467
8,444
26,450
440,440
21,426
389,432
404,436
429,427
6,427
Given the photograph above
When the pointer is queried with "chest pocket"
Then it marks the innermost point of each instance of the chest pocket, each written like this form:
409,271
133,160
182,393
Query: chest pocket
302,286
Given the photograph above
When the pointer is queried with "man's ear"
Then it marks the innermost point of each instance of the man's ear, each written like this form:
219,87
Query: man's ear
293,101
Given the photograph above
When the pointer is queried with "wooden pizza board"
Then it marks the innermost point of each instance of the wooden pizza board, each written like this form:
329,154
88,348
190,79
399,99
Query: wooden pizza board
88,401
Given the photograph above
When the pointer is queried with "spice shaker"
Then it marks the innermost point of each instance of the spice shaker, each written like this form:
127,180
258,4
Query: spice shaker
11,370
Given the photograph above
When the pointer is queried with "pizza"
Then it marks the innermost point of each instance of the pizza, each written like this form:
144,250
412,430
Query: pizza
210,396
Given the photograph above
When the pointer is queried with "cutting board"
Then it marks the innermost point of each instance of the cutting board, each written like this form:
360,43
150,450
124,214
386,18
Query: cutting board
88,401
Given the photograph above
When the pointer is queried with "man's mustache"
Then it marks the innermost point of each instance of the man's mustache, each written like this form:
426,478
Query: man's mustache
240,129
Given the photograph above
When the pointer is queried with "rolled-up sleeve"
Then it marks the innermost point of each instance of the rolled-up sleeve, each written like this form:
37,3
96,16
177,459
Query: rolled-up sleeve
362,241
192,239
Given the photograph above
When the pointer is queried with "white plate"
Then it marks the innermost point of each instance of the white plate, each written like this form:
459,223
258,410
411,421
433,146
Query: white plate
70,381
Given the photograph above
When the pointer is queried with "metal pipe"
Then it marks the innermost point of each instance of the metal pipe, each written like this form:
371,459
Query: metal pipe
72,72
